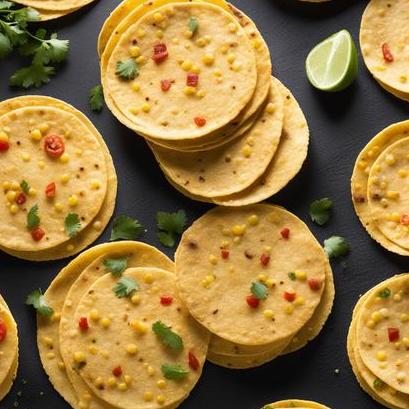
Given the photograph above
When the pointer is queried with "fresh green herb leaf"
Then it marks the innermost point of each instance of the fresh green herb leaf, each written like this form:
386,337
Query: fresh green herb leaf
127,69
96,98
5,5
378,383
336,246
193,24
172,225
292,276
5,46
385,293
259,290
72,224
320,211
33,220
167,336
32,76
38,301
174,372
125,228
24,16
125,287
116,266
25,187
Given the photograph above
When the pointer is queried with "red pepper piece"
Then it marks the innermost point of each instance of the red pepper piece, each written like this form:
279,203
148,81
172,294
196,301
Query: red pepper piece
193,361
117,371
314,284
37,234
199,121
54,146
404,219
21,199
285,233
290,297
225,254
192,79
386,51
252,301
83,324
393,334
166,300
165,85
160,53
50,190
264,259
3,330
4,146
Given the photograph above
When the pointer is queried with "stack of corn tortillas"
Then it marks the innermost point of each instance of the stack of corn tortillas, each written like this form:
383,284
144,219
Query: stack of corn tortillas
242,277
57,177
295,403
383,44
52,9
8,349
378,342
120,335
379,187
194,79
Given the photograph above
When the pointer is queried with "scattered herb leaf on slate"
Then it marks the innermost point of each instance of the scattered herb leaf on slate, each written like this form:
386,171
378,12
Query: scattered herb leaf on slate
171,226
320,211
96,98
125,228
336,246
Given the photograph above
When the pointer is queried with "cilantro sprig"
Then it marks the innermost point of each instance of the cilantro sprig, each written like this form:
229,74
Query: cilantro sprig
38,301
174,371
167,336
171,225
125,287
116,266
33,219
96,98
25,187
385,293
259,290
127,69
45,53
336,246
125,228
72,224
320,211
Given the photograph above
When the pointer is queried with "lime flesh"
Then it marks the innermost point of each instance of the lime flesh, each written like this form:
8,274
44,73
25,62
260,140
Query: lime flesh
332,65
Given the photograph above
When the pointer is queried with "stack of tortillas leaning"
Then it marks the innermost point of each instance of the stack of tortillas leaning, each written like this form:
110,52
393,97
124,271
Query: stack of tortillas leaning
295,403
58,180
380,190
378,342
8,349
383,42
194,79
119,335
242,276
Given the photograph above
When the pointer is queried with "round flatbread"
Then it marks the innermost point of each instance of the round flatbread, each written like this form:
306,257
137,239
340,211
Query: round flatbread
231,167
253,246
295,403
388,192
360,178
381,332
90,233
383,42
145,325
179,113
287,161
139,255
66,155
55,5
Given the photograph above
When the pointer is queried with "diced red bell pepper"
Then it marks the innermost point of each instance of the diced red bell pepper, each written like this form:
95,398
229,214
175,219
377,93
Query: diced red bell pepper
160,53
252,301
393,334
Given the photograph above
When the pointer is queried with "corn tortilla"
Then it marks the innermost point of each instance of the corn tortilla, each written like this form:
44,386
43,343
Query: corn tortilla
55,5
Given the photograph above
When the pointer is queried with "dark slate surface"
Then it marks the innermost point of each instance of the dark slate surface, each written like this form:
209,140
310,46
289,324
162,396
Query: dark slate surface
340,124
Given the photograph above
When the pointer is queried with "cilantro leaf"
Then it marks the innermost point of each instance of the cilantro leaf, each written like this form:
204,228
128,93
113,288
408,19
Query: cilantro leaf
125,287
193,24
24,16
385,293
96,98
116,266
72,224
16,35
292,276
5,5
259,290
174,371
336,246
5,46
34,75
125,228
25,187
33,220
167,336
127,69
38,301
320,211
172,225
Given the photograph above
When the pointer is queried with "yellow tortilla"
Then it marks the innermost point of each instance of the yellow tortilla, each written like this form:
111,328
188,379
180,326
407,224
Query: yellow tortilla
55,5
295,403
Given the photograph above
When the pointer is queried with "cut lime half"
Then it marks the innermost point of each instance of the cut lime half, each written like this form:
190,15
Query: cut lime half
332,64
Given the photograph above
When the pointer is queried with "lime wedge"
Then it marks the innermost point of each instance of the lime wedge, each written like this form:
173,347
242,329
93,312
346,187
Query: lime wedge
332,65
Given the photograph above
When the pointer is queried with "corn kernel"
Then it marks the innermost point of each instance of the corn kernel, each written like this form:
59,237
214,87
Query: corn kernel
405,342
257,43
127,379
161,384
301,275
70,247
139,326
246,151
95,184
397,297
111,382
289,309
236,66
146,108
253,220
97,225
148,396
122,386
371,324
134,110
268,314
212,259
141,33
270,108
132,349
136,86
148,278
105,322
200,42
141,60
224,49
188,34
186,65
79,357
11,195
376,316
392,194
232,27
64,158
158,17
189,90
271,282
201,93
26,157
73,200
403,78
58,207
64,178
136,299
390,159
151,371
208,59
404,317
195,69
6,185
299,301
13,209
94,315
384,202
44,127
61,365
3,136
239,229
381,356
92,349
231,58
394,217
160,399
36,135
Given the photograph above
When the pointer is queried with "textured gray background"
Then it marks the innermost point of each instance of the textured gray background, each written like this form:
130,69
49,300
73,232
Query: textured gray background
340,124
